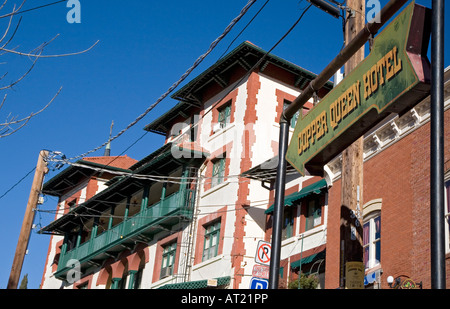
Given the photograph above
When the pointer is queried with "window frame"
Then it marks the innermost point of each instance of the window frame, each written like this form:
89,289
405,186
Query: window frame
447,213
293,121
313,212
218,171
224,114
168,257
212,239
371,242
290,214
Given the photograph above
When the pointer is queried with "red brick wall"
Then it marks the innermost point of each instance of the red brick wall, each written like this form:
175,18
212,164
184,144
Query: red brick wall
333,237
248,138
400,176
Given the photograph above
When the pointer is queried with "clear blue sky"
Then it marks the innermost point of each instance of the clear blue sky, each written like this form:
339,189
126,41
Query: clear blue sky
145,46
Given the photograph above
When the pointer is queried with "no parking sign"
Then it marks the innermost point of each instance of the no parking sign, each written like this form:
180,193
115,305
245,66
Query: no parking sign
263,253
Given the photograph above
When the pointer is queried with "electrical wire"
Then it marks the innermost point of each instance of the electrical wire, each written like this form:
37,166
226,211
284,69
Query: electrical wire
256,65
32,9
177,83
67,161
242,31
17,183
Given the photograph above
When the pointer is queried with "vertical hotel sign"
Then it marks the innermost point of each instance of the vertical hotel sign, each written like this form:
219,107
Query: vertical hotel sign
392,79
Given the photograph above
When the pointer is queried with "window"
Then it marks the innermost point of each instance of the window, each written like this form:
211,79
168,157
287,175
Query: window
295,117
72,204
137,279
447,212
211,243
168,260
372,241
224,115
288,223
83,286
313,214
218,173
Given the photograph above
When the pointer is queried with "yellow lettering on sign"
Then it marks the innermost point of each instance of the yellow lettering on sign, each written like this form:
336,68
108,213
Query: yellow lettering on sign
378,75
345,104
381,72
312,132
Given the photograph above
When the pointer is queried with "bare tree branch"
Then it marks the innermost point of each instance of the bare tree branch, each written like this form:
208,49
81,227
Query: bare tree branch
6,129
20,78
12,123
48,56
14,11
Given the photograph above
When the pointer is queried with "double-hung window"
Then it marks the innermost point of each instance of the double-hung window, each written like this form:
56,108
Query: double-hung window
447,213
218,173
211,243
372,241
288,224
224,115
168,259
313,214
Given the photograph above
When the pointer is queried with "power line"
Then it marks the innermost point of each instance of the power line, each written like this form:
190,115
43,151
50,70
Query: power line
262,173
17,183
246,26
32,9
218,102
177,83
258,63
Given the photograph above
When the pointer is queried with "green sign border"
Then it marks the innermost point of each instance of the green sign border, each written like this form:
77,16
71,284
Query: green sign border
405,89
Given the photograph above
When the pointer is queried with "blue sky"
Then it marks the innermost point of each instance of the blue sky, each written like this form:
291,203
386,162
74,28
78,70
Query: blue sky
144,47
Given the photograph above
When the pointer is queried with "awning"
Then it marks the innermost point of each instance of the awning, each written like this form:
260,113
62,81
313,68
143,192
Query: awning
308,259
200,284
315,188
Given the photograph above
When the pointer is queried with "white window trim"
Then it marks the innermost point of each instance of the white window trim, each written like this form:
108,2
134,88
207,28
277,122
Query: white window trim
371,210
447,216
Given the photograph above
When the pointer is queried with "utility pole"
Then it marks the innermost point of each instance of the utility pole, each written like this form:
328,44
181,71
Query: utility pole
41,170
341,59
352,174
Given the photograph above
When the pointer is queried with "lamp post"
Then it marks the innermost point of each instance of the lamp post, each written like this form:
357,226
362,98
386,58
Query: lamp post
406,284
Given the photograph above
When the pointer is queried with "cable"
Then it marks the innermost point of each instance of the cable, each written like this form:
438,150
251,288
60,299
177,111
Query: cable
246,26
32,9
198,122
131,175
17,183
177,83
249,71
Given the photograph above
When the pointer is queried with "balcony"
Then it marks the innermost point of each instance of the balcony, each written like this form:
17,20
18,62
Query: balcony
141,226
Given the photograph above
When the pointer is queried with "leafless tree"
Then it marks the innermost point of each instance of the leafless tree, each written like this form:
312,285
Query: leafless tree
14,123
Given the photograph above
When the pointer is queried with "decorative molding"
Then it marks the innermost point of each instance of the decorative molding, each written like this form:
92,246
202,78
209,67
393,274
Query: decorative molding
389,133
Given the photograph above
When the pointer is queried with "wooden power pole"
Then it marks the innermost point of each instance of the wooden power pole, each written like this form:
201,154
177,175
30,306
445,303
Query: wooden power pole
22,244
352,267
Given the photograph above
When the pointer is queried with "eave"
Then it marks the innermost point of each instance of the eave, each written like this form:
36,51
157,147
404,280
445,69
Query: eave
245,56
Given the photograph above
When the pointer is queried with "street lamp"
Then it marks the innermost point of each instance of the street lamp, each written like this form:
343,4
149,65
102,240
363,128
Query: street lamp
406,284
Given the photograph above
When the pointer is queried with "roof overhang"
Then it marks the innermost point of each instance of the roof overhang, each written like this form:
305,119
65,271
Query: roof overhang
73,175
245,57
161,162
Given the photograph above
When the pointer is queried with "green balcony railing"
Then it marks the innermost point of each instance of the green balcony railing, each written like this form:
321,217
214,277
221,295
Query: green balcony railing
165,212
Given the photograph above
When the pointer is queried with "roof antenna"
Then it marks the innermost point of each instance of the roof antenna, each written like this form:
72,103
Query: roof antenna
108,146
